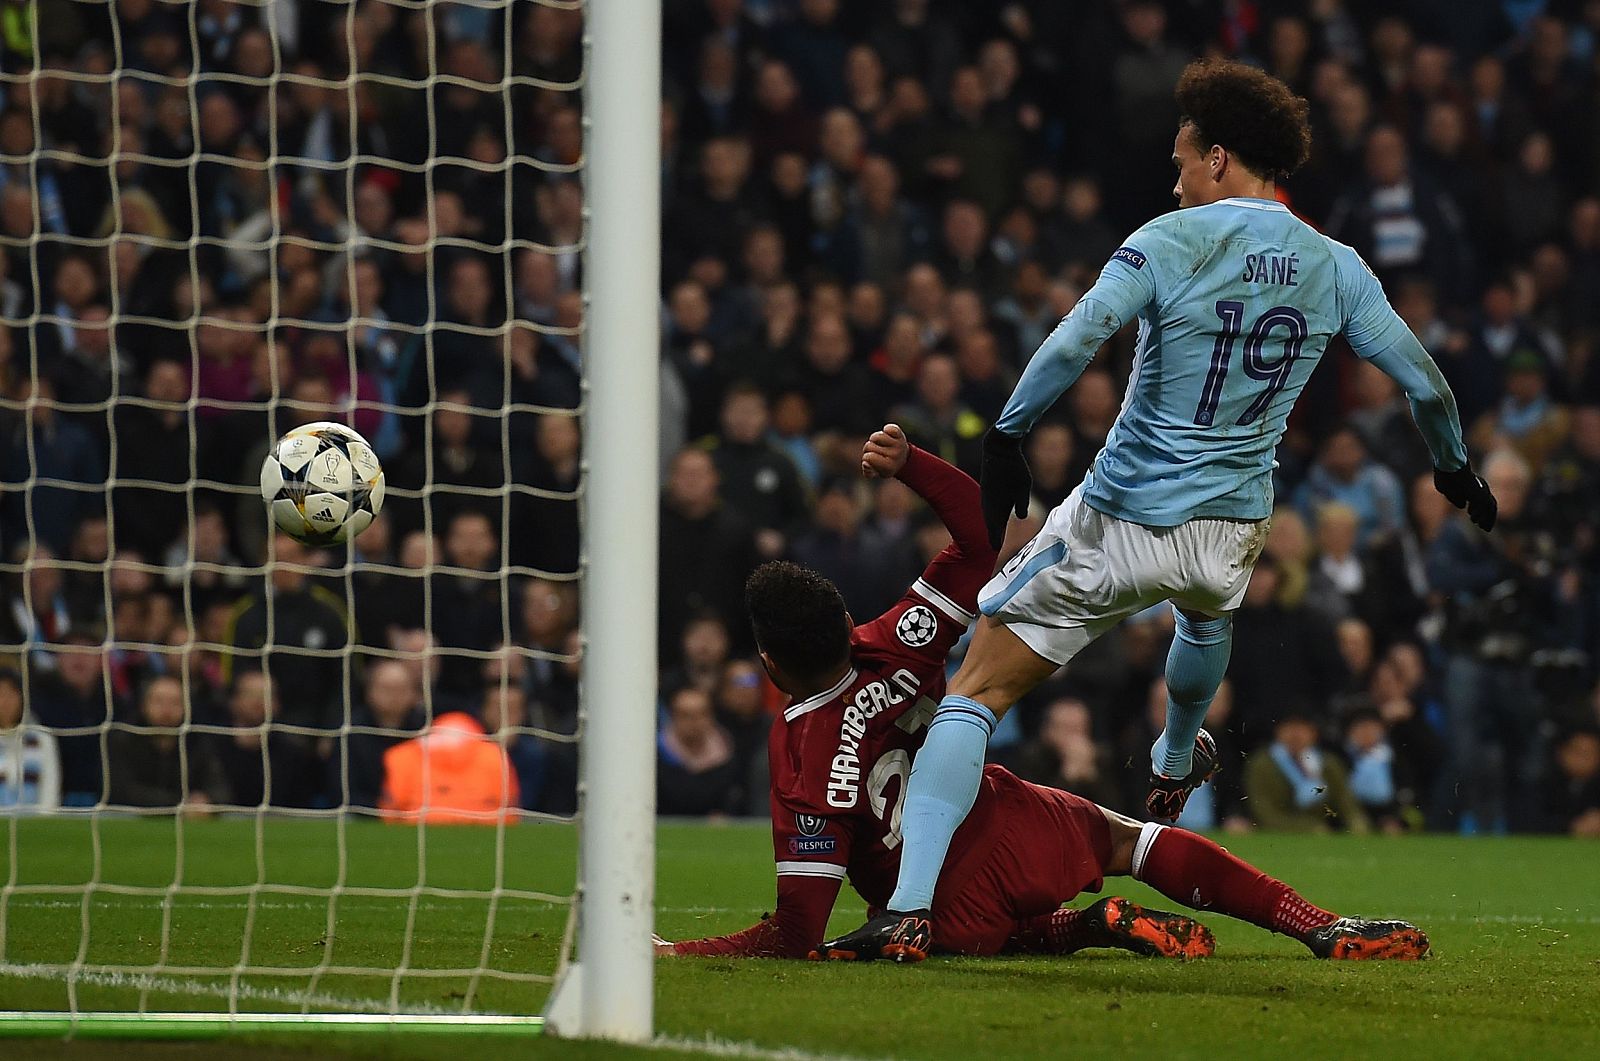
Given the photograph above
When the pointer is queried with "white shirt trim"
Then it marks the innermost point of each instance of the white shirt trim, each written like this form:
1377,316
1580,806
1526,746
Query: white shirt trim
943,603
1255,204
794,711
811,869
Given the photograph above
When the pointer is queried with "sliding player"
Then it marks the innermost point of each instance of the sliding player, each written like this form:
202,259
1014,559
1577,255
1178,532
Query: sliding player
841,753
1236,300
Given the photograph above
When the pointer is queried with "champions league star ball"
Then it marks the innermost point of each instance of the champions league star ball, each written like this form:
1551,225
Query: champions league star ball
322,483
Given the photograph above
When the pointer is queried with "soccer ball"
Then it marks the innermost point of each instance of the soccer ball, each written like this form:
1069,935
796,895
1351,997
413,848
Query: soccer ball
322,483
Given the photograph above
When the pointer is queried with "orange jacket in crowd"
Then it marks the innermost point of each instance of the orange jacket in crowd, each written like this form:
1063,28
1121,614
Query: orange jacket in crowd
452,773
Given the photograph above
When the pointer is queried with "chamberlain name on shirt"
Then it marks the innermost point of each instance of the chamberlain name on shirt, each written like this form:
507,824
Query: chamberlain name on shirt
871,700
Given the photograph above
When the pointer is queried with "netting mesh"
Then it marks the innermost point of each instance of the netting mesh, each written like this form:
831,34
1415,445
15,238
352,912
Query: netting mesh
220,220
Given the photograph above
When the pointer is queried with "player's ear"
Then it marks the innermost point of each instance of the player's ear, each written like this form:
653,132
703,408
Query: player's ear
1218,161
849,622
772,670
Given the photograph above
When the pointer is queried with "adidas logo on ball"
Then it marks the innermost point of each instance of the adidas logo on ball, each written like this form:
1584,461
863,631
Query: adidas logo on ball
326,515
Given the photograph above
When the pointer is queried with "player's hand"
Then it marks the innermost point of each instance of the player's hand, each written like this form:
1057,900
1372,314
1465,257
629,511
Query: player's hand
1465,488
1007,483
885,453
664,948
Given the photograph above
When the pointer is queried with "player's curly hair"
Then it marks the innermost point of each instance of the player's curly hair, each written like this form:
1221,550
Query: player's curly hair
799,618
1248,111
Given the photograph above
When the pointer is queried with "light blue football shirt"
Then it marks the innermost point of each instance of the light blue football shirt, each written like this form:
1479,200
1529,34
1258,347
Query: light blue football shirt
1236,303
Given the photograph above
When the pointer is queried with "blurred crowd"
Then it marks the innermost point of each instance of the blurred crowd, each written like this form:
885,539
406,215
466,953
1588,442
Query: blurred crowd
871,212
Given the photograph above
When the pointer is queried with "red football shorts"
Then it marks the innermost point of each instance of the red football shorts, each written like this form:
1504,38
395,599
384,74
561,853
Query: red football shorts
1051,846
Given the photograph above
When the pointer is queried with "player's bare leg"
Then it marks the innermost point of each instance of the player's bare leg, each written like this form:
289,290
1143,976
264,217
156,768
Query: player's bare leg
1197,873
999,669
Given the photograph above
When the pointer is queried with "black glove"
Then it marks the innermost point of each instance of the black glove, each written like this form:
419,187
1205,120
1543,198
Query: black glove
1465,488
1007,482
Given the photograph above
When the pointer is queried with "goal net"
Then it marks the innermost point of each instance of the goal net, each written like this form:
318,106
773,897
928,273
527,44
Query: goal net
248,781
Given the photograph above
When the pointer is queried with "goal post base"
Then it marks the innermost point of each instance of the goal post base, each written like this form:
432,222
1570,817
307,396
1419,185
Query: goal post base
217,1025
563,1013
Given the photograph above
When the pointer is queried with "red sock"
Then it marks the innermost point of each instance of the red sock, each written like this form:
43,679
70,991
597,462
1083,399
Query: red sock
1199,874
1058,932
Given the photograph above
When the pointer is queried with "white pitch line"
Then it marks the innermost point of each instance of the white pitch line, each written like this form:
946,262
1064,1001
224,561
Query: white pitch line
39,902
170,985
1509,919
726,1048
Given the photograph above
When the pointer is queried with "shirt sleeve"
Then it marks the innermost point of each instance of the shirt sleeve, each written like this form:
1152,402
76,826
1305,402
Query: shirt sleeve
952,580
1377,333
1126,285
811,852
1370,324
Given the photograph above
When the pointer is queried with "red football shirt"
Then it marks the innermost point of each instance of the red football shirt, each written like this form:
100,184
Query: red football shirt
840,759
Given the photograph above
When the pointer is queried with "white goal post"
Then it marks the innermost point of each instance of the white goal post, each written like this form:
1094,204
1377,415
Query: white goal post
603,986
608,991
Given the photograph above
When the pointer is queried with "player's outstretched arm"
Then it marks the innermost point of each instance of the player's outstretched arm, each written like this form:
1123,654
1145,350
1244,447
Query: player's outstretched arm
1377,333
1433,407
793,931
1125,286
960,571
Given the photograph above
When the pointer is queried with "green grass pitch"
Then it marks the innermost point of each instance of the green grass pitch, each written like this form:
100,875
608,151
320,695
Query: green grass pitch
1515,925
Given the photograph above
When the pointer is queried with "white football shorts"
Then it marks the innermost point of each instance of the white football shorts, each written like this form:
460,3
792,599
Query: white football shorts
1085,571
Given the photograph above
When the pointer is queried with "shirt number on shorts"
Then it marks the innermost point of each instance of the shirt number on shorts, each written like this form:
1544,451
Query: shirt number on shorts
890,765
1275,374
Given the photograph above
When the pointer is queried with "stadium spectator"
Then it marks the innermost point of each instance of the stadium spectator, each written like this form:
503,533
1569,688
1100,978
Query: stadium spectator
505,718
39,442
1283,654
464,472
741,704
392,708
756,478
1525,420
1294,785
696,771
860,564
548,614
937,419
707,550
1344,472
149,761
1572,785
1496,588
549,516
465,599
72,695
451,773
704,659
838,388
1065,755
203,560
1094,404
1372,770
1399,222
296,634
1057,465
889,231
30,767
40,610
261,765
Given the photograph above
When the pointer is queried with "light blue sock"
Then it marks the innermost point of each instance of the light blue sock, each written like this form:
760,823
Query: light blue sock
943,786
1195,667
